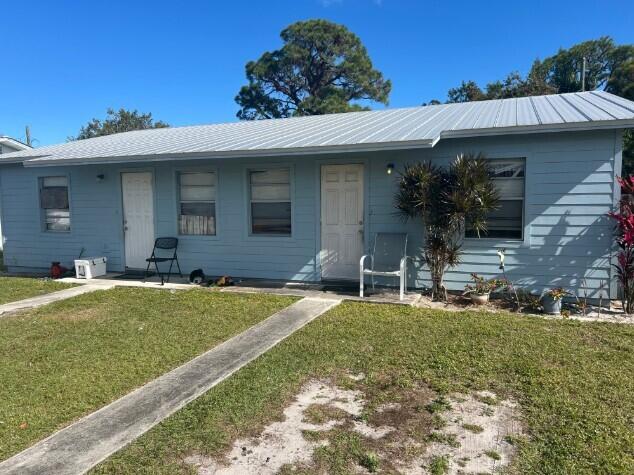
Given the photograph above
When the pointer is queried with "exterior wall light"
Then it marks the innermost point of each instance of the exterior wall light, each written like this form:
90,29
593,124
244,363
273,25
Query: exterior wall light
390,168
101,177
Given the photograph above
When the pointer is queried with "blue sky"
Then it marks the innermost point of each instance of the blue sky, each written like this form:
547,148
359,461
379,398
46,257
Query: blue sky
65,62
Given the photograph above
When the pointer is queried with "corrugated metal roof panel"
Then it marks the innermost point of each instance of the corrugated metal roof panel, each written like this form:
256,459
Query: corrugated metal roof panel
526,114
371,130
507,116
588,109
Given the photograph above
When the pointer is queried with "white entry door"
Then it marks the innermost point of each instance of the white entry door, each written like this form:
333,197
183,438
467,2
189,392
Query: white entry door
138,218
341,221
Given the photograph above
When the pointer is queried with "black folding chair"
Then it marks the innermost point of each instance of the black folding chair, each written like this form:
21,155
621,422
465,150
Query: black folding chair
163,244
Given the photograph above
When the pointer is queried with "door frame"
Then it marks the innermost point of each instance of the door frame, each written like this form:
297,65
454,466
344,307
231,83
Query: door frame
319,164
121,171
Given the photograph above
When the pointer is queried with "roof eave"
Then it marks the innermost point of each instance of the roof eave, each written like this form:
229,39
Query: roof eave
541,128
279,152
15,143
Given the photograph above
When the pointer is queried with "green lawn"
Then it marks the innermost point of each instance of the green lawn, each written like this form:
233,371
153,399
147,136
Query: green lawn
69,358
574,382
18,288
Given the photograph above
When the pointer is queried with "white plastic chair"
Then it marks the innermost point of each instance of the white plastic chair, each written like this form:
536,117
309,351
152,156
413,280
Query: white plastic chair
388,259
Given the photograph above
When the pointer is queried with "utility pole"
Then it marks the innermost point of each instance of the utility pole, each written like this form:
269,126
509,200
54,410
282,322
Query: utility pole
28,136
583,75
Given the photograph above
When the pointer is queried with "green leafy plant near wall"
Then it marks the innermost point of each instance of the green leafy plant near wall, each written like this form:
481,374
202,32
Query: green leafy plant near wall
624,235
445,200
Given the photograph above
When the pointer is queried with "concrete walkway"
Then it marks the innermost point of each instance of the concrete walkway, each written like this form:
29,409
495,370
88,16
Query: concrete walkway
45,299
82,445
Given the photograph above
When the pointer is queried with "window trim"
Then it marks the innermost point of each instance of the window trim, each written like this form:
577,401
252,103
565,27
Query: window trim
291,181
179,201
40,186
520,240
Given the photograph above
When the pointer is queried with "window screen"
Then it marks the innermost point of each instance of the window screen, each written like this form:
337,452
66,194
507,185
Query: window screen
270,202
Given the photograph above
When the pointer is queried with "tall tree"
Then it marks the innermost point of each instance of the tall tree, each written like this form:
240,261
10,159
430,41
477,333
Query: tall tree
322,68
118,121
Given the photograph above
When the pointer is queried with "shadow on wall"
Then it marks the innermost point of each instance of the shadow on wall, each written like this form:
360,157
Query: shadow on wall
568,245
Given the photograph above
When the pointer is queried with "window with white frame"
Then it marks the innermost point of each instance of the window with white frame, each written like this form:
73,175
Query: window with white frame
270,194
197,203
507,222
54,203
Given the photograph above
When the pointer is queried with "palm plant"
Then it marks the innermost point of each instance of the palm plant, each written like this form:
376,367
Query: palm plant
446,200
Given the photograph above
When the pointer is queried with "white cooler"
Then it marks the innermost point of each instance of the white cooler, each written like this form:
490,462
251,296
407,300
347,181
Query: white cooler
90,268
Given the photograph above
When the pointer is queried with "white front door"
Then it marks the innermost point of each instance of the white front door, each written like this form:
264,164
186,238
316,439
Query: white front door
138,217
341,221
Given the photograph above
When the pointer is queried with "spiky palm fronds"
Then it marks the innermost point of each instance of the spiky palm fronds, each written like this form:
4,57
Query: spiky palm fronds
472,194
445,199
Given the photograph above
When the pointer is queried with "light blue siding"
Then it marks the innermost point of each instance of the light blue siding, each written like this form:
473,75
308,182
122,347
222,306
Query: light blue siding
568,239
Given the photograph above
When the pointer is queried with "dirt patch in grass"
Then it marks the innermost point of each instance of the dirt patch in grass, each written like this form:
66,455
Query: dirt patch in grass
318,408
476,438
327,429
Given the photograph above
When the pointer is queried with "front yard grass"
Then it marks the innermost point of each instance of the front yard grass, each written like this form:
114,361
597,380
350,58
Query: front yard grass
572,380
69,358
13,289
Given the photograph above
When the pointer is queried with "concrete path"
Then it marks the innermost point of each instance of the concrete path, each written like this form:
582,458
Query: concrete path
45,299
82,445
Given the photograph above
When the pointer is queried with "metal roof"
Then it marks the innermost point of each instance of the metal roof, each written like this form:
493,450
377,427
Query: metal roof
354,131
13,143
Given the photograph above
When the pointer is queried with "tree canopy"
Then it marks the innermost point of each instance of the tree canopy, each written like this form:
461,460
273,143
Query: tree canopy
322,68
608,66
118,121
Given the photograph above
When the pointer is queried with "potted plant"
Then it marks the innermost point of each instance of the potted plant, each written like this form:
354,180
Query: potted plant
480,291
552,300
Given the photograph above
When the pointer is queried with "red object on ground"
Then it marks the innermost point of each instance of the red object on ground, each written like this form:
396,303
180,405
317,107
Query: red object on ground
57,270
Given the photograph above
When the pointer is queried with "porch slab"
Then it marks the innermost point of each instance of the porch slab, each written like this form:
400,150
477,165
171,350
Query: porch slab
82,445
337,290
322,290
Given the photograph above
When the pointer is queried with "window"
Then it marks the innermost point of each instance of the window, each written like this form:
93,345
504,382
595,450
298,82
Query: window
54,203
197,206
270,202
507,222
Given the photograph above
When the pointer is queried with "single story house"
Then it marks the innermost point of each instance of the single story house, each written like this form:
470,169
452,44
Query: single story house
302,198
